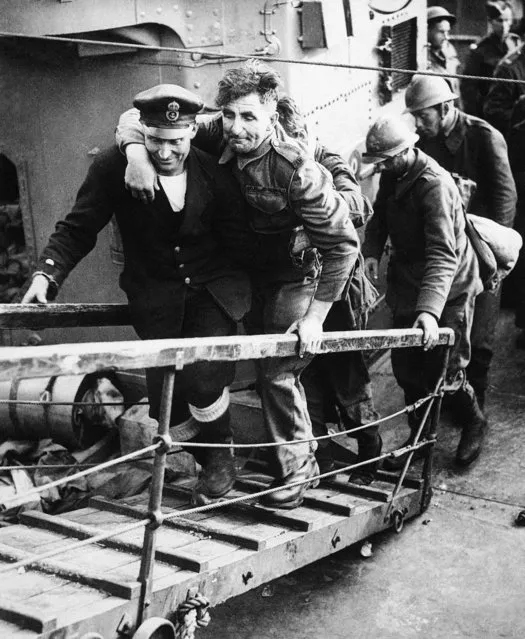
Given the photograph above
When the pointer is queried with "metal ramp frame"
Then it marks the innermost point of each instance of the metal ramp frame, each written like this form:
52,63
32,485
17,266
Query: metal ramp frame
222,553
135,560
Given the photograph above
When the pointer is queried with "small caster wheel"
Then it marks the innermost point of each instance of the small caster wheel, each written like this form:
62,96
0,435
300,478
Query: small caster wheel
155,628
398,521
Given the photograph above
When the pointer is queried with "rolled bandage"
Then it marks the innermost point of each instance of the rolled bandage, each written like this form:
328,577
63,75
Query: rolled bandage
214,411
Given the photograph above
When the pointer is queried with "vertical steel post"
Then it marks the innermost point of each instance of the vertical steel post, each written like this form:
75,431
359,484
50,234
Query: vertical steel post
155,499
434,406
426,493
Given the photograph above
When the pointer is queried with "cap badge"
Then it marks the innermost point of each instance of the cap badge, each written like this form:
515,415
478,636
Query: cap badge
172,114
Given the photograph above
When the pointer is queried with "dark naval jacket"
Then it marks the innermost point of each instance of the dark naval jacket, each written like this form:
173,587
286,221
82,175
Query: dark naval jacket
476,150
432,261
165,252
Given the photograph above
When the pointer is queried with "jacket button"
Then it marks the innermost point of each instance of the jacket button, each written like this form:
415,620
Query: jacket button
177,249
187,280
181,265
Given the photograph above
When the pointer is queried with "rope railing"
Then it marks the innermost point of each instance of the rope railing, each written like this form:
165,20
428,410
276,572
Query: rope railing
216,55
19,497
222,503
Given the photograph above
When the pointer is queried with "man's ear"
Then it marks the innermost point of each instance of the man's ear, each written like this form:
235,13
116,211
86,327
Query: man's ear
445,108
193,131
274,118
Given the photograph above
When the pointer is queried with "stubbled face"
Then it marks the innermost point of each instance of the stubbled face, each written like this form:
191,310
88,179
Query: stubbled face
438,33
247,122
396,166
501,26
168,148
428,122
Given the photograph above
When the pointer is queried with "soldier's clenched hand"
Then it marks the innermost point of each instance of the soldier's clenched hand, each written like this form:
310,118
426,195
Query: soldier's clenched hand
310,331
141,177
430,327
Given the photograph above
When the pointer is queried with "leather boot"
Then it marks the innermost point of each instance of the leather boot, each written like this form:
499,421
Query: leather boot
218,464
369,446
474,427
329,452
292,496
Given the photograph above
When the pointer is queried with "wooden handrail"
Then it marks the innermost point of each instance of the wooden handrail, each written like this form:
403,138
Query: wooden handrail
39,316
78,359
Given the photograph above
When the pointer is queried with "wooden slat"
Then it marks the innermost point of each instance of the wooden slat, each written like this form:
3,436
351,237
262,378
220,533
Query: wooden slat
39,316
124,590
313,498
393,478
79,531
292,520
26,617
180,523
342,484
78,359
95,558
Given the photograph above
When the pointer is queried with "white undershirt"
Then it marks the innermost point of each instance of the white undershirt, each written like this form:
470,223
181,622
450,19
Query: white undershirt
175,188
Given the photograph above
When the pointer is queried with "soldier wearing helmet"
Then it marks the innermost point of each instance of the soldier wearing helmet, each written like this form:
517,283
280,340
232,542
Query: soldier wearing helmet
433,275
441,55
471,148
486,54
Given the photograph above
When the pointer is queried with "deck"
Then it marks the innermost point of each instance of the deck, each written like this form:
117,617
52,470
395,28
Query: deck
95,571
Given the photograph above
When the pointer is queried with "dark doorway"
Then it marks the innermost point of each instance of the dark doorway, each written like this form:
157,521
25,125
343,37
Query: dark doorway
14,259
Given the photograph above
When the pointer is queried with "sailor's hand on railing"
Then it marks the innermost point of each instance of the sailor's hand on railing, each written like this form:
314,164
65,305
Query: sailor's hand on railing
430,327
371,268
141,177
37,292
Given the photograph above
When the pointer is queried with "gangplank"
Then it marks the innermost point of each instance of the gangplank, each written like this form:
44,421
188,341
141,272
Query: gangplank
117,567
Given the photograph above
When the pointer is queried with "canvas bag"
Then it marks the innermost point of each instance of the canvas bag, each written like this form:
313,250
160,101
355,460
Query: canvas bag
496,246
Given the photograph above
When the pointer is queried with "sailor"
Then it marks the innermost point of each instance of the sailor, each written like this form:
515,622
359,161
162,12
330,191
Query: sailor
284,188
470,148
178,280
486,54
433,276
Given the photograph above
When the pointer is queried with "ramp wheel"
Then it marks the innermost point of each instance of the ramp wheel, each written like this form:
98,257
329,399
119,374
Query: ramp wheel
155,628
398,520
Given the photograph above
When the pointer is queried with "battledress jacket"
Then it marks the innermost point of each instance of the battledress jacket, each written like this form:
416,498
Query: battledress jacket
165,252
432,262
482,61
476,150
502,96
444,60
283,189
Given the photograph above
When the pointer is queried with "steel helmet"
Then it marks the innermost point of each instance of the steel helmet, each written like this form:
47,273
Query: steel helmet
440,13
387,137
426,91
